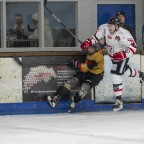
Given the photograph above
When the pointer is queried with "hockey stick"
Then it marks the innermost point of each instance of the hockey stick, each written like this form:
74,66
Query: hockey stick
56,18
35,64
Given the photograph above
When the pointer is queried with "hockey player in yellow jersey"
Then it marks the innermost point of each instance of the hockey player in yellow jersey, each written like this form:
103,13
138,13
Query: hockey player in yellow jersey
90,74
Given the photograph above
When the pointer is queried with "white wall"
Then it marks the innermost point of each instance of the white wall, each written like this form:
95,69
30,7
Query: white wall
10,81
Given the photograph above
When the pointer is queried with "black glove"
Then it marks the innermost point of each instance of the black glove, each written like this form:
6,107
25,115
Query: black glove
74,63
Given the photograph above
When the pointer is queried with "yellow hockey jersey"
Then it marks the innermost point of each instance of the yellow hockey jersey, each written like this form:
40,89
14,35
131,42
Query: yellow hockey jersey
94,63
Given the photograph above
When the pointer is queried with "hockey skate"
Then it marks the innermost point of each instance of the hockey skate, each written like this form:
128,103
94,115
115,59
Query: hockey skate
141,75
53,100
118,105
72,106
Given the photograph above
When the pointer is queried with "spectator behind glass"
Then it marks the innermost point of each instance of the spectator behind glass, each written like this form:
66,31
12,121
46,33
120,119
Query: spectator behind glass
121,15
20,28
48,39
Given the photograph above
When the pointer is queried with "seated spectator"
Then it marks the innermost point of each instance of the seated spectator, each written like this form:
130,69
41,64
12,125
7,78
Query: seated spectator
35,31
48,38
20,29
18,36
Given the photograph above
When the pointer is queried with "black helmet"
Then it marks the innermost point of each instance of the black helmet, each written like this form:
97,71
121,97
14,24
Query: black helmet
96,46
120,13
114,21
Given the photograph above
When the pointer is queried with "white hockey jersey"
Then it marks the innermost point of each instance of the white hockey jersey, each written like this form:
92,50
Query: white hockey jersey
120,41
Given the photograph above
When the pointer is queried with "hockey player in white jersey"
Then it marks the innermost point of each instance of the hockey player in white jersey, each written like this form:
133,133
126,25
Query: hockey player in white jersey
120,46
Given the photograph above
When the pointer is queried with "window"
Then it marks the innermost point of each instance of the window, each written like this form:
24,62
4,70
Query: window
23,27
66,13
22,24
29,26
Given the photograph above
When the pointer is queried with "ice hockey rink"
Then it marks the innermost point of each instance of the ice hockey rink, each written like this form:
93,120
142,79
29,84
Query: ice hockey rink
125,127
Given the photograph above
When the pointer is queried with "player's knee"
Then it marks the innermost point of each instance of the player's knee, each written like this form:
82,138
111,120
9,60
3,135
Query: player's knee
72,83
85,87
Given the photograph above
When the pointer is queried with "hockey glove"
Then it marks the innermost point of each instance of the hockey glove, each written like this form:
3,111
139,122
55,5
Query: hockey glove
119,56
129,51
86,44
74,63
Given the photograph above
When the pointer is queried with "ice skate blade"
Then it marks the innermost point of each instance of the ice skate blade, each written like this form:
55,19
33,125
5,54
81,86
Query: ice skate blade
53,104
70,110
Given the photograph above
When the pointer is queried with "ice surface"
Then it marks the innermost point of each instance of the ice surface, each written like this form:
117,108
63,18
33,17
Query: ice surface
126,127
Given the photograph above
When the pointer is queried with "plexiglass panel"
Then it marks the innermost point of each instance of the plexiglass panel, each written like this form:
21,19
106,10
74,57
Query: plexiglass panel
66,13
22,24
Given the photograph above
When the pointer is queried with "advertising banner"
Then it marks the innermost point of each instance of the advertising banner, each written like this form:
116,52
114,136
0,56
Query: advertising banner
43,75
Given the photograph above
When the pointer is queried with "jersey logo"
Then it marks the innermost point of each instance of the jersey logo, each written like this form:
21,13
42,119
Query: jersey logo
127,50
109,37
117,38
110,50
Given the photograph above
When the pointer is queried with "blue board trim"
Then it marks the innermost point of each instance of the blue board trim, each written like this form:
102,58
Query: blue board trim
44,108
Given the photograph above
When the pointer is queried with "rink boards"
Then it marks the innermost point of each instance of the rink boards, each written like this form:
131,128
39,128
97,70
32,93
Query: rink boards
23,90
